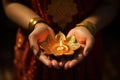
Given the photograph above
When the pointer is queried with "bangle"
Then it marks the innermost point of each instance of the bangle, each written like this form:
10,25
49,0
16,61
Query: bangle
90,26
34,21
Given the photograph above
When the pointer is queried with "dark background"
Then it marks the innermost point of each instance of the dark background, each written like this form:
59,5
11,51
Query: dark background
111,44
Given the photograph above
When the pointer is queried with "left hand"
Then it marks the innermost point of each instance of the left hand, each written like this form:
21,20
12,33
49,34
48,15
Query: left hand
86,39
38,35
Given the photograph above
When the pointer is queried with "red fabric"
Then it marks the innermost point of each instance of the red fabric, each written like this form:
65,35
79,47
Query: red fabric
84,7
28,67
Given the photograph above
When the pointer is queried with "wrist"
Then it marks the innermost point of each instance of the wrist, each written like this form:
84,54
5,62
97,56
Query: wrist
90,26
34,21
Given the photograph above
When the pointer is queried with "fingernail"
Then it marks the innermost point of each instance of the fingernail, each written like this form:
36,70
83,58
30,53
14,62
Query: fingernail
61,64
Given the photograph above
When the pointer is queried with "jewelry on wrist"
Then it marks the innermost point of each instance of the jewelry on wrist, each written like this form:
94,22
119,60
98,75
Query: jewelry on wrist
34,21
90,26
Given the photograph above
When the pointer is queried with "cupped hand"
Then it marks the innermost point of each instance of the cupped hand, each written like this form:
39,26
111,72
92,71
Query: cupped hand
86,39
38,35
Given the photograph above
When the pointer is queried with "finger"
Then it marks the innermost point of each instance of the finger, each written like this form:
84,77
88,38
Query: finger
45,60
33,45
74,62
62,63
67,65
55,64
88,47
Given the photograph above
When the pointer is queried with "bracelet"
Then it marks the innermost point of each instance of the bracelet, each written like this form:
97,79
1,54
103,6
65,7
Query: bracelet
90,26
34,21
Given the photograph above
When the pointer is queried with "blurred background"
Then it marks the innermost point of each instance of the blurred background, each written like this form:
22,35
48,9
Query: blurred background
111,44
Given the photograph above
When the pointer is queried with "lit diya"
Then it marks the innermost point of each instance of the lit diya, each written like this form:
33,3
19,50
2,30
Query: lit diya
59,45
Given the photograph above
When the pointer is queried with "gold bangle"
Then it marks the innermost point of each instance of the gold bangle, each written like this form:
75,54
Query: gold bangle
34,21
90,26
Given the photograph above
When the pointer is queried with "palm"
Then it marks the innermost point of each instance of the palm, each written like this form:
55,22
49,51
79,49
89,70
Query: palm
86,40
38,35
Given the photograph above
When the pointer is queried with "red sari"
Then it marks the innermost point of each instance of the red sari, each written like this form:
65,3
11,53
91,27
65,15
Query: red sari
62,15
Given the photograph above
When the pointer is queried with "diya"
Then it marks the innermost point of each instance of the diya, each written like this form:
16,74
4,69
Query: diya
59,45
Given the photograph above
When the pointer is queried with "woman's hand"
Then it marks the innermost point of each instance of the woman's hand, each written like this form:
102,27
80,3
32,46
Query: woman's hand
86,39
38,35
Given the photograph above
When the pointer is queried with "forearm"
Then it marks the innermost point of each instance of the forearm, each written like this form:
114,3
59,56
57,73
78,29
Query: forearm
19,13
104,14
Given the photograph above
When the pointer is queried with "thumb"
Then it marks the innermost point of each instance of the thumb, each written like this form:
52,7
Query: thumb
35,49
33,45
88,47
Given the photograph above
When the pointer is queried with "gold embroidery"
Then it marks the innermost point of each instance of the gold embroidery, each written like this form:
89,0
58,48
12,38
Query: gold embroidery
62,11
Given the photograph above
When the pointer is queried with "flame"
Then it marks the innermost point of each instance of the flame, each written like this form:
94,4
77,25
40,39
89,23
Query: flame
61,43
